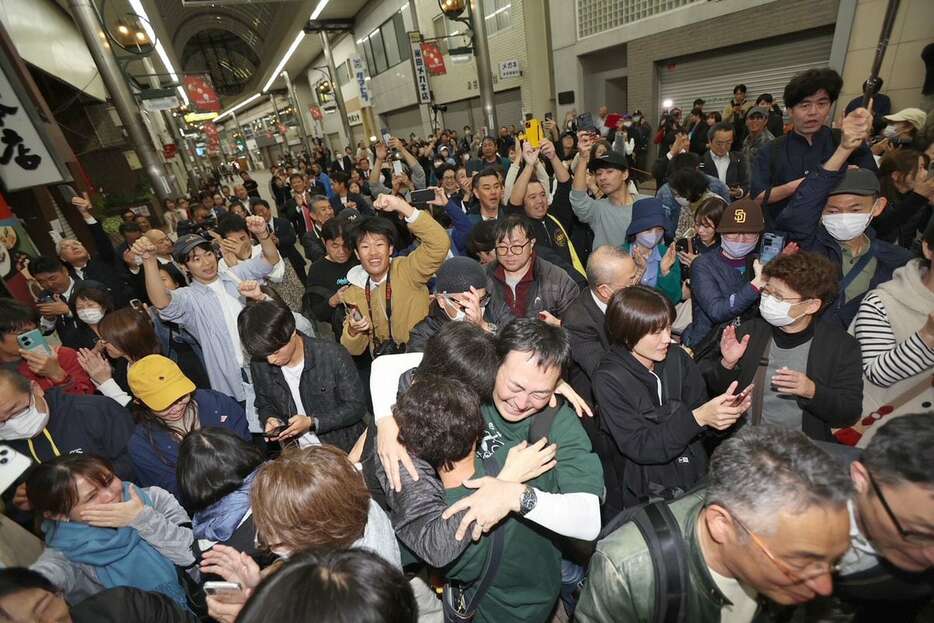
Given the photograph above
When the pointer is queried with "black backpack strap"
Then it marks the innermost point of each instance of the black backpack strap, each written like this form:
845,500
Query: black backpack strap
457,605
666,546
542,421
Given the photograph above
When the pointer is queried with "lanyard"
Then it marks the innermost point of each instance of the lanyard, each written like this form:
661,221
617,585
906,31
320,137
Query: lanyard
32,449
369,307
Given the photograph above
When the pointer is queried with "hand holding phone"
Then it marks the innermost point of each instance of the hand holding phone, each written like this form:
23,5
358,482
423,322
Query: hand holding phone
215,588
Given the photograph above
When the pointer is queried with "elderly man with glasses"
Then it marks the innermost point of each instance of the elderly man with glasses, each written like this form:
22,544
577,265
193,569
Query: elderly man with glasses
772,522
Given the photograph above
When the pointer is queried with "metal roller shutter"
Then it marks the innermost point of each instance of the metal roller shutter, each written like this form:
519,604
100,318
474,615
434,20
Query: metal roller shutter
764,68
404,121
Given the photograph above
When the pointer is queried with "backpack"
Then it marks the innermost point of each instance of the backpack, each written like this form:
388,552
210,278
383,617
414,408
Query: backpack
669,555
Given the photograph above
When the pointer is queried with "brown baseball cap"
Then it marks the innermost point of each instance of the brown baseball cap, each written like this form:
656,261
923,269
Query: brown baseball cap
742,217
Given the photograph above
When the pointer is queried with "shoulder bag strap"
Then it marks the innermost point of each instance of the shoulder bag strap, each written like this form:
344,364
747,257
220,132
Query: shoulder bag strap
758,391
369,306
857,268
542,421
669,560
464,608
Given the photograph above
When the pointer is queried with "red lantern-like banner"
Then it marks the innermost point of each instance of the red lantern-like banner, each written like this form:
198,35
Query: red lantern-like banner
434,60
201,92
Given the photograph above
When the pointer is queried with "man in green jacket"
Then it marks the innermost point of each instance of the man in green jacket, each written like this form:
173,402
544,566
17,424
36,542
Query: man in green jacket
772,522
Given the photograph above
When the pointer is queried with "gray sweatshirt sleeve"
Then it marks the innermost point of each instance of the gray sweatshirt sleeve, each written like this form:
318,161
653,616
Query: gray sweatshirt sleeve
418,177
58,570
166,526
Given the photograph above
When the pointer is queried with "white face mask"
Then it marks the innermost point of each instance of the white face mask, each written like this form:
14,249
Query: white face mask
26,425
775,312
737,249
846,226
890,131
682,202
91,315
648,239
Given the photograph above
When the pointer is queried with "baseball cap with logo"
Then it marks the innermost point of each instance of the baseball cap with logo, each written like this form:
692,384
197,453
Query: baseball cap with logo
158,382
742,217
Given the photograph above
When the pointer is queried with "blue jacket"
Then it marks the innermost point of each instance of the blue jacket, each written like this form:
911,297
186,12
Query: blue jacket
673,208
719,293
154,450
461,226
801,219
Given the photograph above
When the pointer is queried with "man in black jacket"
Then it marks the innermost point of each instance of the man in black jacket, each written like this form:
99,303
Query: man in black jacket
307,389
730,167
284,234
609,270
806,372
107,266
343,198
56,301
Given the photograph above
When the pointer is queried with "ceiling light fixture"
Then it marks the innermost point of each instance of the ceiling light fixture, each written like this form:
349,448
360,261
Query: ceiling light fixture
322,4
234,109
285,59
137,7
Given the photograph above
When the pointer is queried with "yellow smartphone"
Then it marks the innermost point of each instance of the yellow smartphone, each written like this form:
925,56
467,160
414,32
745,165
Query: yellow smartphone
533,133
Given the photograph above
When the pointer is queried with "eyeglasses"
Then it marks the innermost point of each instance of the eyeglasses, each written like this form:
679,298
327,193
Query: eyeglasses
780,298
918,538
516,249
798,576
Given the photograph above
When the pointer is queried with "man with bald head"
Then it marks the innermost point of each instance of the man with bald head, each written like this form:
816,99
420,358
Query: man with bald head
608,269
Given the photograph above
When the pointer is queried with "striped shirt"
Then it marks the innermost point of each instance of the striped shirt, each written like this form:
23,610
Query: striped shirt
885,360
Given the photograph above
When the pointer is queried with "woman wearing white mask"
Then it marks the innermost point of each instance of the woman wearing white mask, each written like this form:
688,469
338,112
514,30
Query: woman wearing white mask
93,301
806,371
725,284
656,262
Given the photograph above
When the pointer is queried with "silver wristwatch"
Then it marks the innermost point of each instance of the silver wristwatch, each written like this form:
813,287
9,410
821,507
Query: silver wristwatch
528,501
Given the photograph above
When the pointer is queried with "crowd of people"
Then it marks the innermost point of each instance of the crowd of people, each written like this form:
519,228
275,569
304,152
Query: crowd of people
495,378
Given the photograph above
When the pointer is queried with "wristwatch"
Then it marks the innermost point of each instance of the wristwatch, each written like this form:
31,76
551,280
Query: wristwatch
528,501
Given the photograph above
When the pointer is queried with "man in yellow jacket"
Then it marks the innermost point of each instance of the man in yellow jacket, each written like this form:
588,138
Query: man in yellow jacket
394,293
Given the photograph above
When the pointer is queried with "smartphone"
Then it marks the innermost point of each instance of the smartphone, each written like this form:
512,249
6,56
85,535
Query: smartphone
353,311
12,466
33,341
278,430
45,297
740,397
386,134
548,116
420,198
136,304
533,133
585,123
612,120
213,588
772,245
681,245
